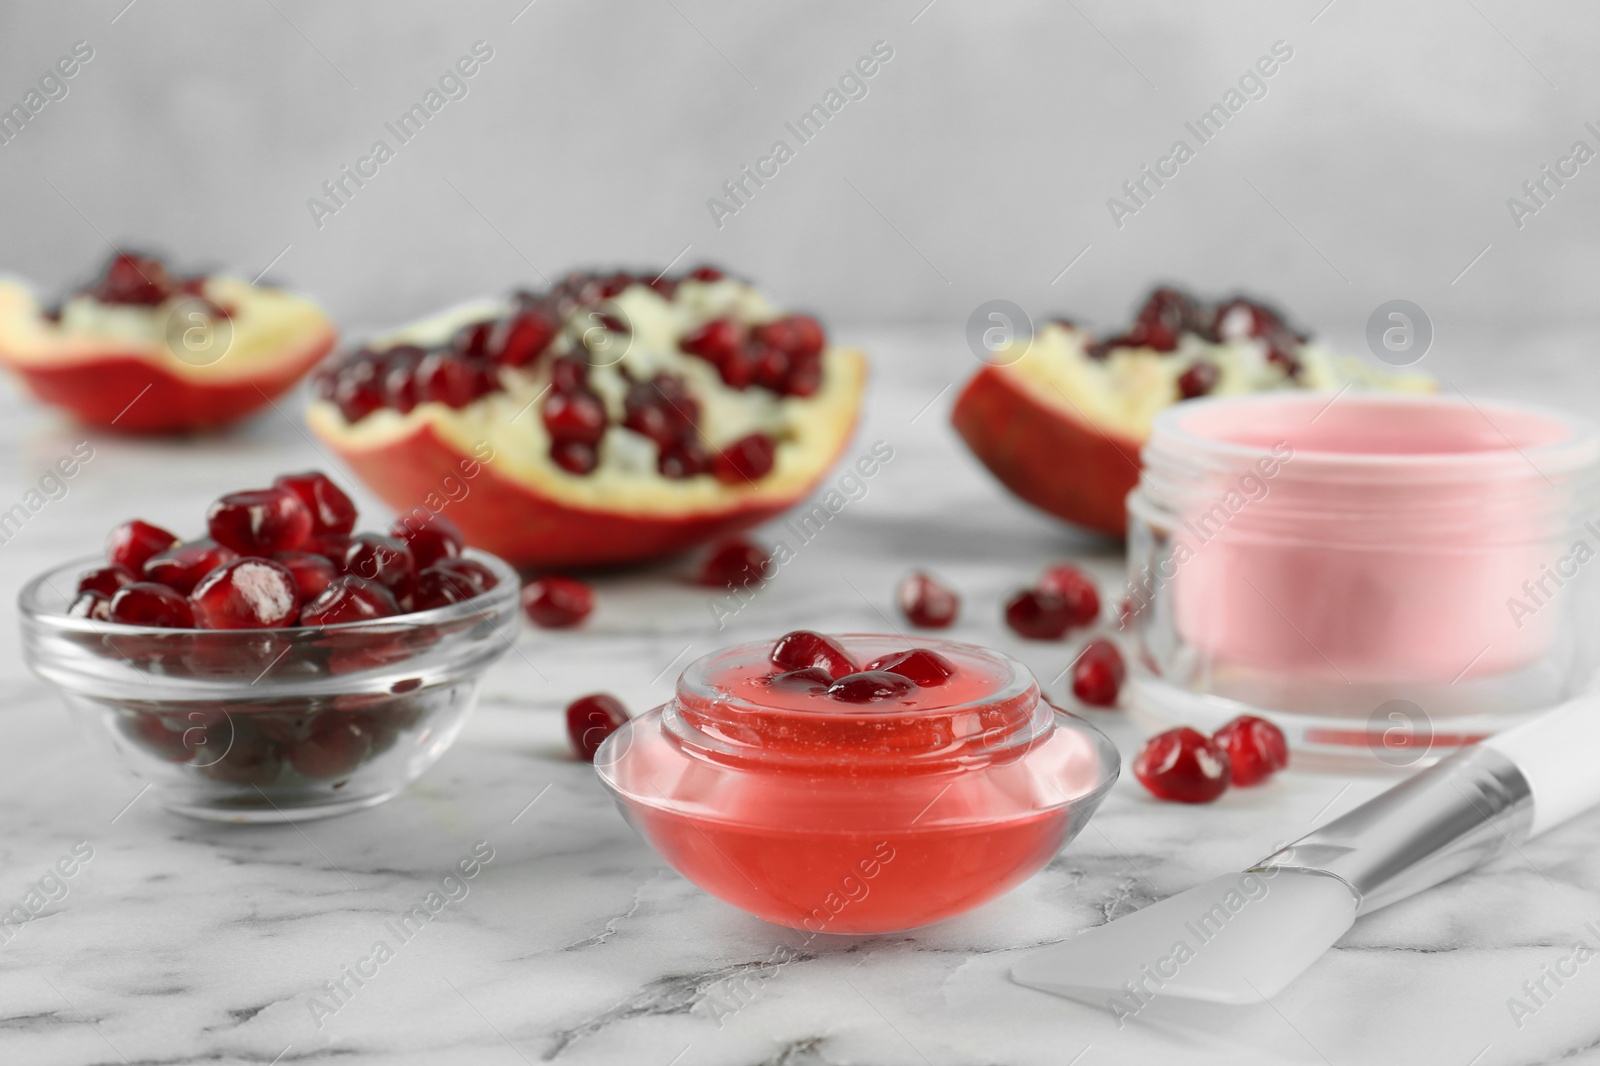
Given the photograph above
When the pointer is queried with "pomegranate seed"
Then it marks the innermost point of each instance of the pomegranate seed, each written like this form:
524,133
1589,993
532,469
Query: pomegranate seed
805,379
478,576
590,719
1162,319
706,273
132,543
247,593
430,542
398,374
927,669
106,580
251,760
349,599
1256,748
472,340
92,605
557,602
575,417
1097,674
736,564
1039,614
447,378
1198,380
385,560
684,459
718,342
799,335
746,459
523,337
926,602
811,680
1237,319
259,521
144,603
336,745
1280,350
331,510
870,686
312,573
804,647
358,394
771,367
574,457
570,373
182,567
140,280
440,588
330,546
1074,587
1183,765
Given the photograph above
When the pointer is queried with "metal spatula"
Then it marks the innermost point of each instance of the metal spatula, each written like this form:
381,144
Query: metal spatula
1242,938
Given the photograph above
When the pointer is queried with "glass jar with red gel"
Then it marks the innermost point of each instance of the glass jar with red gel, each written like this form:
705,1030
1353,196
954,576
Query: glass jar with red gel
851,805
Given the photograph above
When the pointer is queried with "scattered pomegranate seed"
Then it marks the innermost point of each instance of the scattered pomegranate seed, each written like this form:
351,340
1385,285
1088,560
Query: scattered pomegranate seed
870,686
430,542
556,602
331,510
736,564
131,543
1098,673
247,593
260,521
312,573
1256,748
1198,380
1074,587
1183,765
804,648
1039,614
590,719
106,580
92,605
1237,319
926,602
745,460
182,567
812,680
336,745
349,599
706,273
927,669
144,603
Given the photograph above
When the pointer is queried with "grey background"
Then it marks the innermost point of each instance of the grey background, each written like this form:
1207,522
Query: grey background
978,166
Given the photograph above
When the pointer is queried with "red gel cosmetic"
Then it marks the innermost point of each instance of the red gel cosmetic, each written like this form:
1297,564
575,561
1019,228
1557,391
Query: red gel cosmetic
858,803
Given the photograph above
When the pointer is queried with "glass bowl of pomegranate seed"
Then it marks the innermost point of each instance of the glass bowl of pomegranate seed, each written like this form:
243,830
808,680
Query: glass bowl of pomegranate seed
857,784
278,669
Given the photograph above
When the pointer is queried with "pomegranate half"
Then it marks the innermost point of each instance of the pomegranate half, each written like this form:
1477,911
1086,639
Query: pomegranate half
143,351
613,418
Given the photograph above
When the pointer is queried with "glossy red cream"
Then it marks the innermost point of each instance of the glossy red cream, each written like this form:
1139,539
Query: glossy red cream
793,798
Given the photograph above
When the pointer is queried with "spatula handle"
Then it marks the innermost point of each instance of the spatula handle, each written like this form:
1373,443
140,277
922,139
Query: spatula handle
1556,753
1478,803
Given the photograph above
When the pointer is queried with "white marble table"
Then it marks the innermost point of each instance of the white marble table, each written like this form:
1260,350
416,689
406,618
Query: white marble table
183,942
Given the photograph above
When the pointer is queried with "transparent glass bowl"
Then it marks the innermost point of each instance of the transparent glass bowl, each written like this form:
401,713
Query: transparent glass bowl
858,818
271,725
